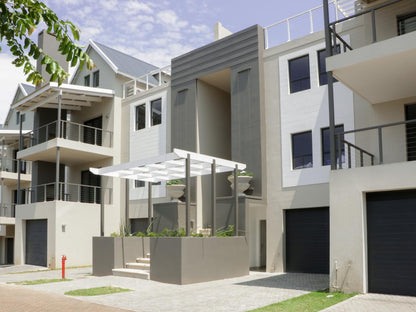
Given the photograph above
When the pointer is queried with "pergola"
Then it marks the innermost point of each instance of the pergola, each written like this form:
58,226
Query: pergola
179,164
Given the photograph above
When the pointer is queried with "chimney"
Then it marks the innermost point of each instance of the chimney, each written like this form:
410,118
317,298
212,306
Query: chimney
50,45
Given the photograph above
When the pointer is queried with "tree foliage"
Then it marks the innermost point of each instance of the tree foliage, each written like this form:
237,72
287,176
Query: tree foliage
19,19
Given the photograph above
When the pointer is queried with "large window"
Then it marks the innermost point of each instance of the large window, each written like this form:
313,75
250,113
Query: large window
140,117
139,183
326,153
299,75
156,112
96,79
87,81
406,23
302,150
323,78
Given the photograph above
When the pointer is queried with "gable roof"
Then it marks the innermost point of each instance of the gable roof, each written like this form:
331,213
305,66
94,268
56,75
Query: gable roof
28,88
25,90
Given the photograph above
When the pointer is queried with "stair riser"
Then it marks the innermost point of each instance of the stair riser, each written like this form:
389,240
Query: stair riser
138,266
133,275
143,260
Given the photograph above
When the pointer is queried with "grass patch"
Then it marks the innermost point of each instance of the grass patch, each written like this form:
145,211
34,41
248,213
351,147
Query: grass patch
312,302
96,291
47,269
40,281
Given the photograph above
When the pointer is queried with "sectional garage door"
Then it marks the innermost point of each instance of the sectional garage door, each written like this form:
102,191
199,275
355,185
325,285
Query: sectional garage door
307,240
36,242
391,242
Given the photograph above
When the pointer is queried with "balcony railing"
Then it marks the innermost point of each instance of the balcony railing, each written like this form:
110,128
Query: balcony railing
11,165
7,210
71,192
304,23
143,83
70,131
387,143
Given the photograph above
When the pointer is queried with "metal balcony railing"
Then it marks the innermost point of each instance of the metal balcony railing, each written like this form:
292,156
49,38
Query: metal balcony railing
7,210
71,192
304,23
146,82
11,165
387,143
70,131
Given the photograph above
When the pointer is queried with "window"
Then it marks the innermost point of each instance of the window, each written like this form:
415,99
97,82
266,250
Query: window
138,183
326,153
406,23
17,118
323,78
156,112
96,79
299,74
140,117
302,150
87,81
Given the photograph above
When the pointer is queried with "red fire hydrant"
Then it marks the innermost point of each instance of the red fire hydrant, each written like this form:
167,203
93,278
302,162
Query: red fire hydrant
63,266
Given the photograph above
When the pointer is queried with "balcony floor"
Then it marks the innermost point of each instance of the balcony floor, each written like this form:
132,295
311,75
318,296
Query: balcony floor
10,178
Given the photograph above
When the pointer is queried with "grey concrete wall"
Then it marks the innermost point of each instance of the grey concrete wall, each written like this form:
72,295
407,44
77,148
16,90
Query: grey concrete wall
225,213
172,216
187,260
113,252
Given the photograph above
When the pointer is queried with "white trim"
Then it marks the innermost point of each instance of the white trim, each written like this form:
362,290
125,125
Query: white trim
104,56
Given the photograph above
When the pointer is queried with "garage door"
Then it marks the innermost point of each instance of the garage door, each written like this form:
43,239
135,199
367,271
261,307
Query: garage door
391,242
307,240
36,242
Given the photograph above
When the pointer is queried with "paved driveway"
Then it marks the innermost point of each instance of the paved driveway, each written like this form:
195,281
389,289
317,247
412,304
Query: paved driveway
237,294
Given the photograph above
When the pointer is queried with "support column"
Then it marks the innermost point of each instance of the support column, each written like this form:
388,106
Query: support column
188,191
101,210
236,198
2,209
19,163
149,206
331,108
2,169
127,222
58,134
213,198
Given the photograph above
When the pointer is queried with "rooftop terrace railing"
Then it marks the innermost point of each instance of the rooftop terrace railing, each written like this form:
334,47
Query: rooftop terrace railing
70,131
387,143
305,23
154,78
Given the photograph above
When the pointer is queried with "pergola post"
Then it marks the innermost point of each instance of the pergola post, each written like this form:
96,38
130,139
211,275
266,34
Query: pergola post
213,197
236,198
149,206
188,190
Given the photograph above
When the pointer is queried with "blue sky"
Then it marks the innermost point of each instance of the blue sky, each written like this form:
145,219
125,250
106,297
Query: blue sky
154,31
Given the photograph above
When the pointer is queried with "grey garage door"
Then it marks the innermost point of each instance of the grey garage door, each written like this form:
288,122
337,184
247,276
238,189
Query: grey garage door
36,242
391,242
307,240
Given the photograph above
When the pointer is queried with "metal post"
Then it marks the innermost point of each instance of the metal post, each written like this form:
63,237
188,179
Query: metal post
373,25
58,135
188,191
213,197
330,89
311,20
236,198
149,206
102,212
2,154
339,151
127,204
288,29
349,156
2,200
380,145
19,195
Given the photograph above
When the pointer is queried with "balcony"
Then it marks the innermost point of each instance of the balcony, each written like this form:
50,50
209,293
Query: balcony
78,143
7,214
9,172
69,192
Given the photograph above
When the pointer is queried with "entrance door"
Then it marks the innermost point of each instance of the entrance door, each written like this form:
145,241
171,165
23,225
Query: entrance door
36,242
90,194
411,132
263,243
92,135
10,250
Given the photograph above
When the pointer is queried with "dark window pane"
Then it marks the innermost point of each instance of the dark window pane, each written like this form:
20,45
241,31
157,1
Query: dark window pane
302,150
323,78
87,81
156,109
299,74
326,153
96,79
140,117
138,183
407,23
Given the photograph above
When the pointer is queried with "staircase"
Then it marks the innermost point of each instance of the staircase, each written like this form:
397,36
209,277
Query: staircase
138,269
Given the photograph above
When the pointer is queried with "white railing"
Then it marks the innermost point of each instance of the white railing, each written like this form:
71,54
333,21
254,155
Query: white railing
155,78
305,23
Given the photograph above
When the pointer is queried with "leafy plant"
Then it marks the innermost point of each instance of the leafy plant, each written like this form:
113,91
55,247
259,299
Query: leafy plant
242,174
222,232
174,182
165,233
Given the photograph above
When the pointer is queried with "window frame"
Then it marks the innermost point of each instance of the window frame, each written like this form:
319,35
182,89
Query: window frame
96,79
136,128
323,153
138,184
87,77
324,73
400,30
151,112
305,155
308,78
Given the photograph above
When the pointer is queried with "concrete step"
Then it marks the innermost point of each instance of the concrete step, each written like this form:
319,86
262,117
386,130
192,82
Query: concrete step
138,266
148,255
143,260
143,274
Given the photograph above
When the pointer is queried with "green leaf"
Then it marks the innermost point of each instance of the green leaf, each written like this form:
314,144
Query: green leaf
46,60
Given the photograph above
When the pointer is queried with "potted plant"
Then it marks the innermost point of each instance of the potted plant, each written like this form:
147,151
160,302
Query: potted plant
175,189
243,181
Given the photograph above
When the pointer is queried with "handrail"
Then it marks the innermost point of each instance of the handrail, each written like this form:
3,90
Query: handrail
11,165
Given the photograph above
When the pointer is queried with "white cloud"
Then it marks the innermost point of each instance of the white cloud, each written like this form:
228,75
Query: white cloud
169,19
133,7
200,29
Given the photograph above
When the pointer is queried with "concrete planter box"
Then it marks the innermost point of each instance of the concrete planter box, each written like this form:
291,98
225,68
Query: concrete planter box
187,260
113,252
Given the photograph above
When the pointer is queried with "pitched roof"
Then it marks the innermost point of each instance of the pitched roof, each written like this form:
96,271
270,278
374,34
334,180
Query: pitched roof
28,88
126,63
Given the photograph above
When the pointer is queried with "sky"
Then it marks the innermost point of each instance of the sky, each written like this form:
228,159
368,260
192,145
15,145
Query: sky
154,31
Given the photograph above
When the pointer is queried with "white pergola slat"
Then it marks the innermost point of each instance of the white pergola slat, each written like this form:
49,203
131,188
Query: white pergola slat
167,167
